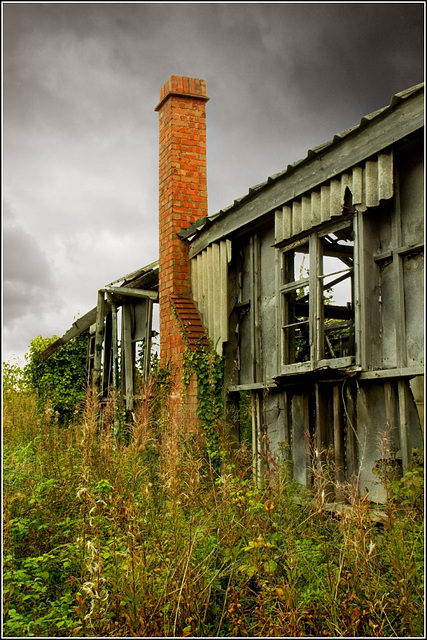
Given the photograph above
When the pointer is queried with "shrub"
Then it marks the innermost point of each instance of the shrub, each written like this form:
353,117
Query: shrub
61,378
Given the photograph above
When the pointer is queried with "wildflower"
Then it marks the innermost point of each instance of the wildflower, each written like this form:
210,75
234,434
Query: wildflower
268,505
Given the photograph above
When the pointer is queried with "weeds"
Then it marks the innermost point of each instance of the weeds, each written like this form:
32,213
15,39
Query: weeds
108,539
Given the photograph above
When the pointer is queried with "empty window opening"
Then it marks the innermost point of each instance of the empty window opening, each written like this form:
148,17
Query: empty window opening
316,288
295,305
336,286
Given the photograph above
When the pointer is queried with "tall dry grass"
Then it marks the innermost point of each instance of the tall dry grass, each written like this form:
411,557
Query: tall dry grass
115,537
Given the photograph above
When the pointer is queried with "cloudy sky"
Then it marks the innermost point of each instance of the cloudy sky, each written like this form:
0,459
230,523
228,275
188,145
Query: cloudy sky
80,155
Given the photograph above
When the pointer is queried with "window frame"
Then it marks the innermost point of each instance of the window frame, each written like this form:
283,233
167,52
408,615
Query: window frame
314,282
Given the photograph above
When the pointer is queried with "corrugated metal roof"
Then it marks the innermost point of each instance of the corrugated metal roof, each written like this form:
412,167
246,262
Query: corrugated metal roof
195,228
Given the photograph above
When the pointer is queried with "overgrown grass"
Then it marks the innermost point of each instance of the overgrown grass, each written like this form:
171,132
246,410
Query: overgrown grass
146,539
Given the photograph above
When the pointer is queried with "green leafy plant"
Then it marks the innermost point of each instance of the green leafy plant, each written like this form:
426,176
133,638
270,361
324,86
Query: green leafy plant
107,538
208,367
61,378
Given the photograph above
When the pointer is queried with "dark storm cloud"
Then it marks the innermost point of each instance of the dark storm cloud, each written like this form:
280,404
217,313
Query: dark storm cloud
29,286
307,72
80,133
369,50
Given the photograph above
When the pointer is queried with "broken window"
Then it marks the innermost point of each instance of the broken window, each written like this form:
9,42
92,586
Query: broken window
295,307
317,297
336,291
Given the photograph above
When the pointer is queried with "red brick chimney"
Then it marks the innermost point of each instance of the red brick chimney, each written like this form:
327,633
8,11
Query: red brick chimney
182,197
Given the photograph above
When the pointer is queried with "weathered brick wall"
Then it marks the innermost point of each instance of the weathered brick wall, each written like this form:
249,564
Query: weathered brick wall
182,201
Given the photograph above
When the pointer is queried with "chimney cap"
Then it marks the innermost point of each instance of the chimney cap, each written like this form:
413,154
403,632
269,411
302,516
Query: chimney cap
183,87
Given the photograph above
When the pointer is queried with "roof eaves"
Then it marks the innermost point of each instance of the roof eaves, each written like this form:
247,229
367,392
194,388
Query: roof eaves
135,274
314,151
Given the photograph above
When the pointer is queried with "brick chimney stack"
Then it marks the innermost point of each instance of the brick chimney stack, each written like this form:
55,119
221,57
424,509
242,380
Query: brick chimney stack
182,196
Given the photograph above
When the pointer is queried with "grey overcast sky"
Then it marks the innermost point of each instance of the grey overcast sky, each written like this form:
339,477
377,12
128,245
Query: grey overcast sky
80,156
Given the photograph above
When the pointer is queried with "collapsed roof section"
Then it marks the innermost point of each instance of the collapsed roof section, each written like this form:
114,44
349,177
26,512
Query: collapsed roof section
143,282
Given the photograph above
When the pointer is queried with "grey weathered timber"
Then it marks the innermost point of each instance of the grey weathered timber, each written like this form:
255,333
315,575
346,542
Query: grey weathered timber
365,185
223,293
410,248
350,421
99,336
83,323
259,361
257,440
216,266
255,286
300,417
403,423
399,308
128,356
316,308
107,366
135,274
356,289
147,339
211,288
392,437
338,435
279,280
134,293
114,336
399,372
404,119
79,325
368,295
354,394
252,310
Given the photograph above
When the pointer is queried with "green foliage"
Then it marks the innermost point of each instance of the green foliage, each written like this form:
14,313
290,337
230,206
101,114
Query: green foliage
107,540
13,377
162,380
61,378
209,369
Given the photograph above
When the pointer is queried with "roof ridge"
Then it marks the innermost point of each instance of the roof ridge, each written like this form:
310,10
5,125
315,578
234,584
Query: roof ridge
364,121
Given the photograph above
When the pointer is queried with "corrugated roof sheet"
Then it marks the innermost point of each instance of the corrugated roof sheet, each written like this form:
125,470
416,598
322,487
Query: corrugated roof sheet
195,228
